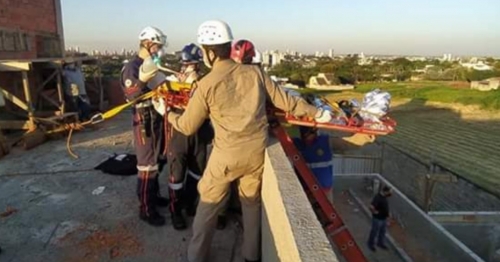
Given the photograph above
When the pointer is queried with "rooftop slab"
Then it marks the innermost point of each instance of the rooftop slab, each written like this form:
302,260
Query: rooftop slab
49,214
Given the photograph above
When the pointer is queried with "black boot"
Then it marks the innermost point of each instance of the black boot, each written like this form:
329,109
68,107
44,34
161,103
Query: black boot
178,220
159,200
147,194
191,195
153,218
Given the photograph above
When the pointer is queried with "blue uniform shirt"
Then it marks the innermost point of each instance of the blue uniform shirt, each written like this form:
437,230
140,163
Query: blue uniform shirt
131,85
319,158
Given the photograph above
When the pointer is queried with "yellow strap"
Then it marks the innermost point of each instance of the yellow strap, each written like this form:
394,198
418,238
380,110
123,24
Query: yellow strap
114,111
164,87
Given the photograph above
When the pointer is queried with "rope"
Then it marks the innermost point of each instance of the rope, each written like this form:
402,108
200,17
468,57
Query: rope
68,145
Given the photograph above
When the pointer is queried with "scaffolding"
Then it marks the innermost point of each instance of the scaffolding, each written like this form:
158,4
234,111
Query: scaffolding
33,99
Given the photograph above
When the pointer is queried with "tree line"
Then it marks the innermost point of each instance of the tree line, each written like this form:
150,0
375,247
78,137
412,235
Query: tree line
349,71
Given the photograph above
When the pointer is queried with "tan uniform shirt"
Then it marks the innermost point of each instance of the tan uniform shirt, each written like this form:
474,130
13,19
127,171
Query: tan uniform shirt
234,97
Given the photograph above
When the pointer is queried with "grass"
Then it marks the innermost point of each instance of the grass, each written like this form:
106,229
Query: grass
443,92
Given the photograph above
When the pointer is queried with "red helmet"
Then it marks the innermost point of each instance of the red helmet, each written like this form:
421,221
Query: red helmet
243,52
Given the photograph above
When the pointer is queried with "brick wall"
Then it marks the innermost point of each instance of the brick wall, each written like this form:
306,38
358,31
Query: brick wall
34,18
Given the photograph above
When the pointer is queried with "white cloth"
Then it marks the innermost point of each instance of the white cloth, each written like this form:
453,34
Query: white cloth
159,105
323,116
375,105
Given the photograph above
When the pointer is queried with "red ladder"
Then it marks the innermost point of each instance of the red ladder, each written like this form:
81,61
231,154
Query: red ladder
334,227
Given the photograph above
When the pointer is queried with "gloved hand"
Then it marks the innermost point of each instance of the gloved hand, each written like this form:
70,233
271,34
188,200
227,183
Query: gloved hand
323,116
160,106
147,70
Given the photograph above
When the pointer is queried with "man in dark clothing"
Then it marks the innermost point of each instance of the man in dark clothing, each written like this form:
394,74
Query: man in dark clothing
380,212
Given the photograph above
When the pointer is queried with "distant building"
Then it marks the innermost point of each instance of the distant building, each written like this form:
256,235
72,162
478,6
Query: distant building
31,29
480,66
330,53
486,85
447,57
327,82
319,54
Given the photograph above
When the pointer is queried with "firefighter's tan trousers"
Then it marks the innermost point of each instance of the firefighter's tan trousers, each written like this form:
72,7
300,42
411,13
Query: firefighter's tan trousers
214,187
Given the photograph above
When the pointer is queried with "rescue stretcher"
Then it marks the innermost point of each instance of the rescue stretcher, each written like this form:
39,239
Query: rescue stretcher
177,95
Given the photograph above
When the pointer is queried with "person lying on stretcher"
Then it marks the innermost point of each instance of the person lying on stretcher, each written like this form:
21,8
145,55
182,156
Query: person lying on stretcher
317,150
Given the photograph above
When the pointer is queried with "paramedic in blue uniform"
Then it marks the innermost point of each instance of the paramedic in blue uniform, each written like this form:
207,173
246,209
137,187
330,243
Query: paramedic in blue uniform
137,78
317,150
187,155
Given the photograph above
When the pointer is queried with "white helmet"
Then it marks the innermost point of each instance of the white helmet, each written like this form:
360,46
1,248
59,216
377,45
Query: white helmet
214,32
154,35
257,58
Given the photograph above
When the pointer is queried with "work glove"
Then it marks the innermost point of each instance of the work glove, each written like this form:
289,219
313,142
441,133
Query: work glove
323,116
147,70
160,105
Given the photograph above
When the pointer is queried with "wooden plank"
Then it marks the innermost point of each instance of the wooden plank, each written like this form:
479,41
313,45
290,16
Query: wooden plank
49,99
27,94
2,100
14,66
14,124
47,113
60,92
14,99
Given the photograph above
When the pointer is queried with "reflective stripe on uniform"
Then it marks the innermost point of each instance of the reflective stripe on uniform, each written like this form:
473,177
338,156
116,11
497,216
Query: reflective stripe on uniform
147,168
194,175
321,164
175,186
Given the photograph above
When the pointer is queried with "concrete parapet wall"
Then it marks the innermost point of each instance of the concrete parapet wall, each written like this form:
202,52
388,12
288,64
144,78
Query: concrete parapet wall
290,230
466,217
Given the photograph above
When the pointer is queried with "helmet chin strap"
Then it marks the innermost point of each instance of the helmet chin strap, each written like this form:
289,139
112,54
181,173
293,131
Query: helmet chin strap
206,58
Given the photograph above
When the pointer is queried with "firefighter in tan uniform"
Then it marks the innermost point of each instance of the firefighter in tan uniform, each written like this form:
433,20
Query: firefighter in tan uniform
234,97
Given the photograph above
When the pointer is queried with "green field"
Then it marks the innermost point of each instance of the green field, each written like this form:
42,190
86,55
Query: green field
466,143
446,92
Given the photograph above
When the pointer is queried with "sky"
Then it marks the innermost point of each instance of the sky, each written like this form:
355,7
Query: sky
391,27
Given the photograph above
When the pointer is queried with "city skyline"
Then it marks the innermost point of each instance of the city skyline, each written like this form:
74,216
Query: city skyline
388,27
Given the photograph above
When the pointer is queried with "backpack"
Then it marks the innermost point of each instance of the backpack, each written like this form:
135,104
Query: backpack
122,164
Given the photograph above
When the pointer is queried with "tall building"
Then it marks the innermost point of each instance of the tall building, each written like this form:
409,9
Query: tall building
330,53
277,58
31,29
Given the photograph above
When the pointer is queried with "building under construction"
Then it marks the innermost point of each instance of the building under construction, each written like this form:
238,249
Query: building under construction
32,95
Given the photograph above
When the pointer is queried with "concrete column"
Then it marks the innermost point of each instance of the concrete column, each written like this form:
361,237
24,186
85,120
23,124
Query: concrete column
60,29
